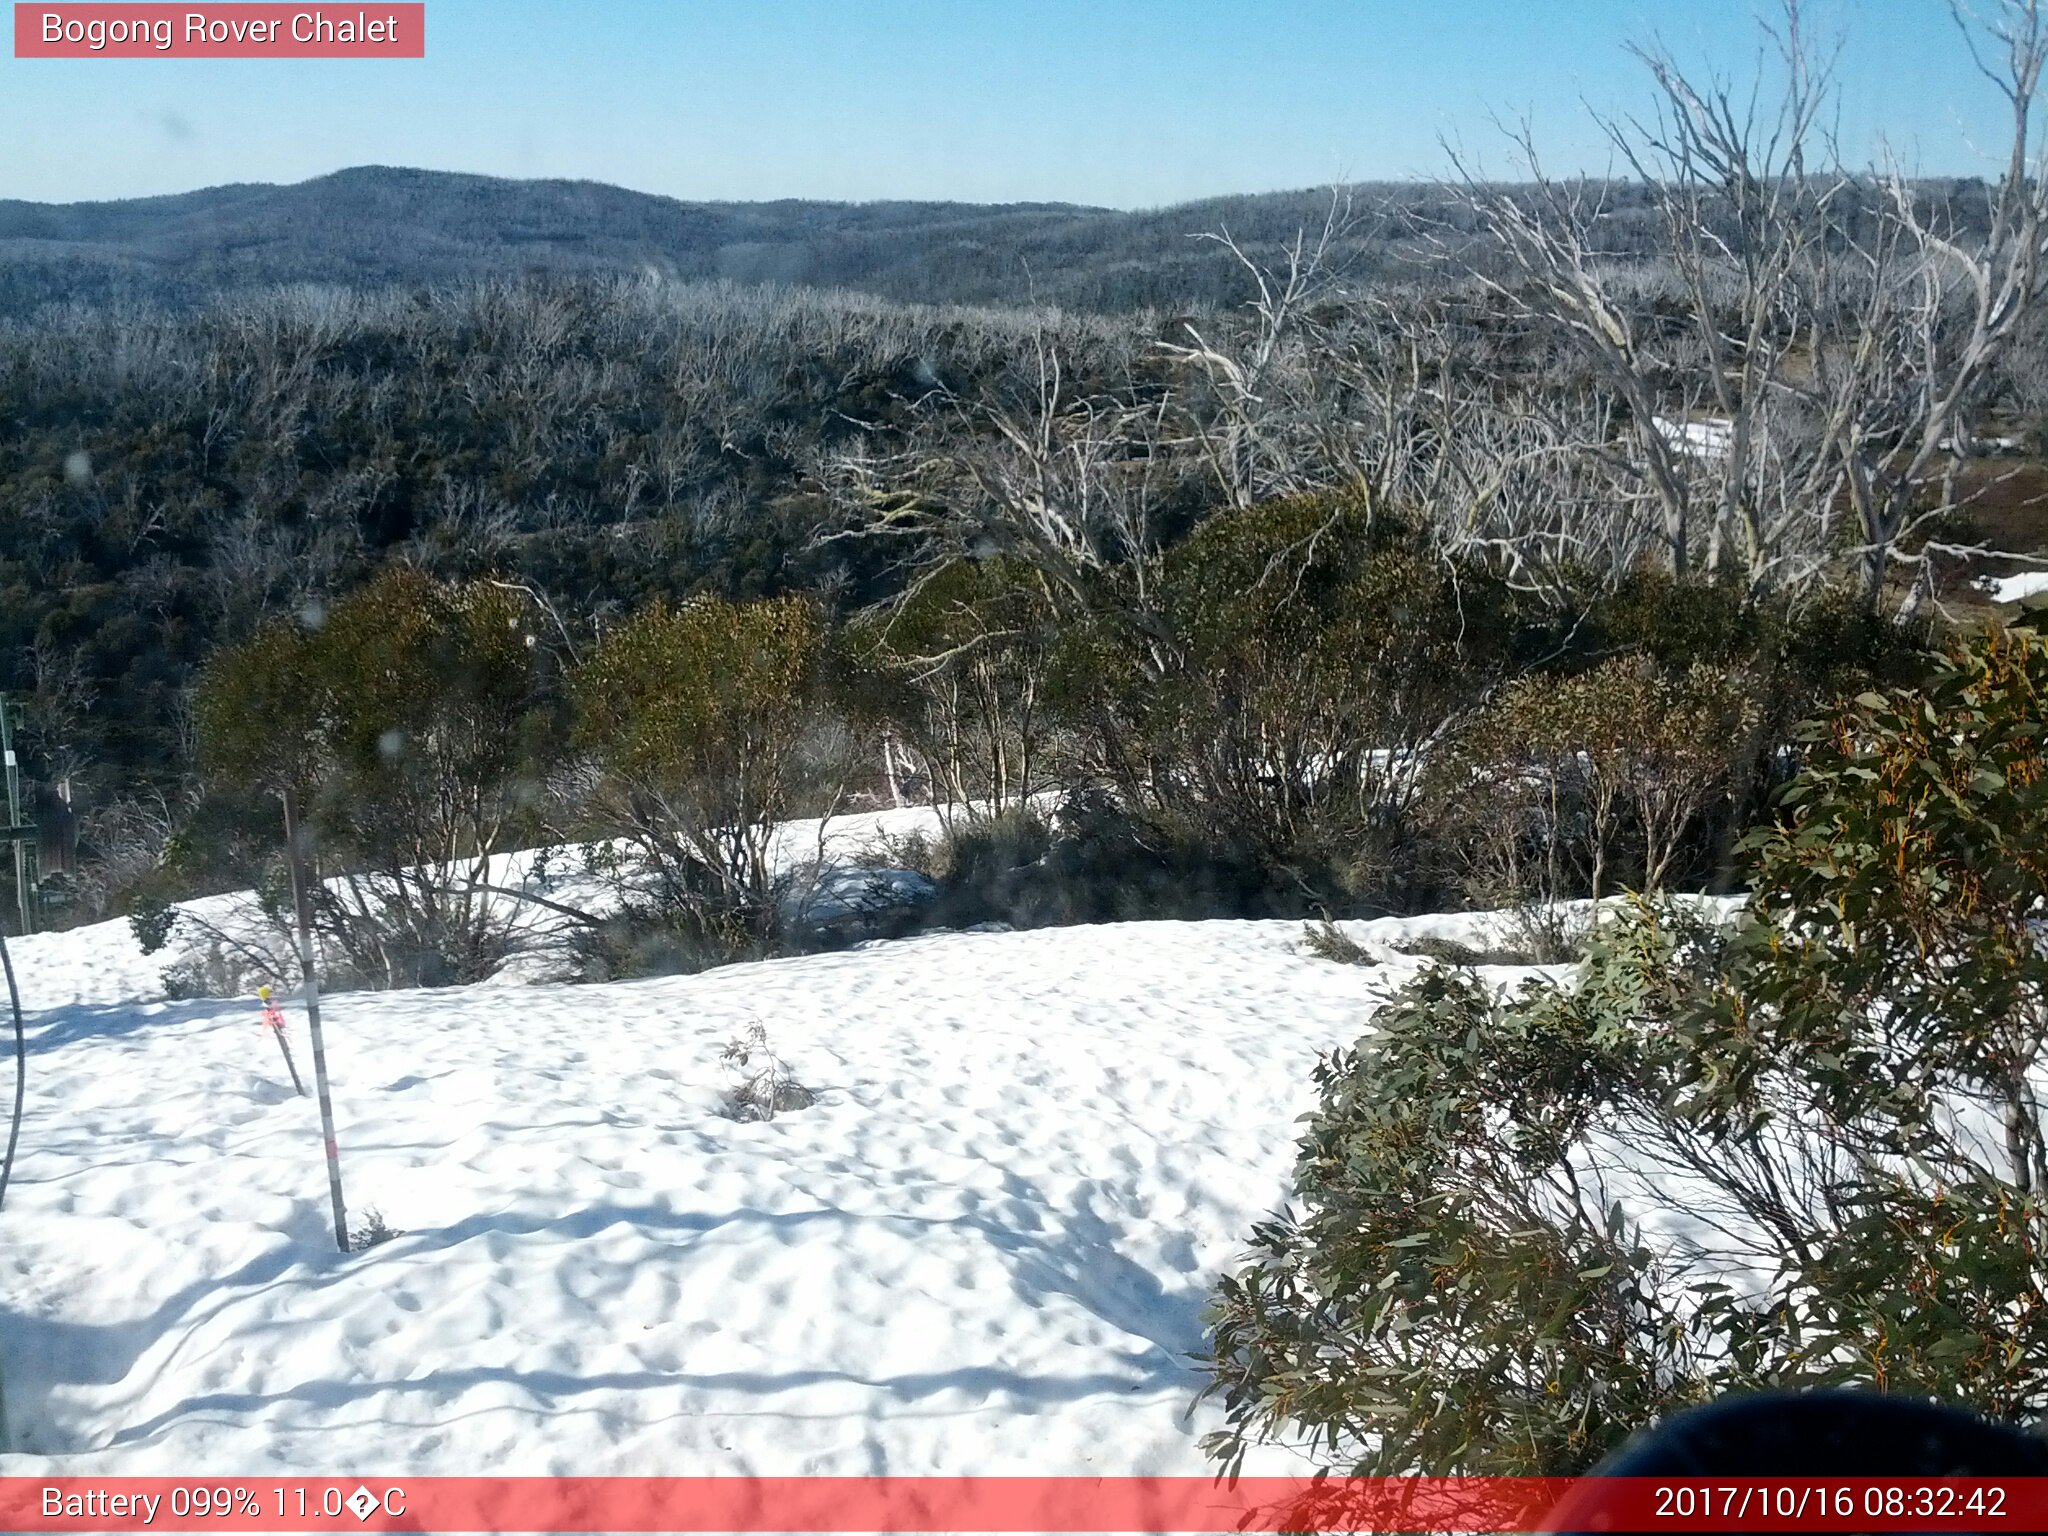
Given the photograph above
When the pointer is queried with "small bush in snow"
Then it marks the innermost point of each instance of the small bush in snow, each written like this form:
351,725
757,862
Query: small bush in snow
709,725
958,670
408,721
215,971
373,1230
1318,645
1578,783
763,1085
642,939
1545,933
151,923
1327,941
1093,861
1451,952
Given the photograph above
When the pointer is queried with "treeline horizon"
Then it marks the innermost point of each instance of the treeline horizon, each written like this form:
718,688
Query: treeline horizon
373,227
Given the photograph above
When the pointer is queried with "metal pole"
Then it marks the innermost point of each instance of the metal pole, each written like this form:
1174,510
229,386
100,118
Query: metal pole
295,860
23,891
289,1065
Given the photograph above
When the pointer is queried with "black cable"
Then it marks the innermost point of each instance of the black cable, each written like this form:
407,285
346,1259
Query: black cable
20,1066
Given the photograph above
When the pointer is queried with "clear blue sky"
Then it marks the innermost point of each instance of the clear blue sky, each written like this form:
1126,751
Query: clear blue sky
1130,103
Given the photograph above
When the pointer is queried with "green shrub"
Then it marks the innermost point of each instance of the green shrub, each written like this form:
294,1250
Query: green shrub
1451,952
1575,783
1445,1302
1316,649
1802,1149
646,939
709,726
1899,976
1091,860
1326,941
407,722
151,923
958,674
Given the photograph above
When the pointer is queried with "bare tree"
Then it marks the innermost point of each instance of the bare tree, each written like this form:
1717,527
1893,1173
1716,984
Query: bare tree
1834,335
1067,481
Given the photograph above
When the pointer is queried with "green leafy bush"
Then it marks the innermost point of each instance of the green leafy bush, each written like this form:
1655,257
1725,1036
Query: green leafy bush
708,726
1451,1298
152,923
958,674
1800,1148
1575,783
1316,650
1326,941
407,722
1089,860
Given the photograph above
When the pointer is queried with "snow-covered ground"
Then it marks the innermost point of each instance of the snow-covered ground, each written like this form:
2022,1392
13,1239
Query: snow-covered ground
984,1249
2013,589
834,865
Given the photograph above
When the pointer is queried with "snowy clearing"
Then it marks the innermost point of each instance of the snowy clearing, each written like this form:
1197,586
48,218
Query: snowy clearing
984,1249
834,865
2015,589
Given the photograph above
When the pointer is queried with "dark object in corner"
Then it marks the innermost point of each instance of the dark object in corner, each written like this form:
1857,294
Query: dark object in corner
1811,1435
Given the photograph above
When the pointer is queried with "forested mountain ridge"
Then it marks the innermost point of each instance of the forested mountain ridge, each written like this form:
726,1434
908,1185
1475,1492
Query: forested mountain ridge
378,225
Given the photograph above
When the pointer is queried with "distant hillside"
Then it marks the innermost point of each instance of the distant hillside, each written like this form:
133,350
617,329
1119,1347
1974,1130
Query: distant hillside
374,225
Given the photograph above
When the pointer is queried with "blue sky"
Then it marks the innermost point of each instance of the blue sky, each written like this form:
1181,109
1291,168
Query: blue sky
1129,103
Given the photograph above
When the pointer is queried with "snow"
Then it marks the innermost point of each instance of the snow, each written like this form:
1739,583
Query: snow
1709,437
985,1248
839,868
2013,589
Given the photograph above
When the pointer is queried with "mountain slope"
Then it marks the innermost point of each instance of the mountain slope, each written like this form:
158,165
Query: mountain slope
376,225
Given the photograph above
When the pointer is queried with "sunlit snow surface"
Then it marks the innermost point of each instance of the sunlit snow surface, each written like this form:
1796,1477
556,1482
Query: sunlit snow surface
2013,589
984,1249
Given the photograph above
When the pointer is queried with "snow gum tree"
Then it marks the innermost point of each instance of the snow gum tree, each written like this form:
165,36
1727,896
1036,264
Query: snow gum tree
1318,650
1570,780
958,671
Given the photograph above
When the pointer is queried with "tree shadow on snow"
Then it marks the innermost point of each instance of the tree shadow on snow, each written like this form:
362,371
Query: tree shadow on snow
1076,1260
71,1024
42,1356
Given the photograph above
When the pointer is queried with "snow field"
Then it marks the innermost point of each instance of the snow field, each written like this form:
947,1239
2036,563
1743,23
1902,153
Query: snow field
984,1250
2013,589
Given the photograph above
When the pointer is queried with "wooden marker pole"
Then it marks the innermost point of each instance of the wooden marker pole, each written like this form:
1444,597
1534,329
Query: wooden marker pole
273,1017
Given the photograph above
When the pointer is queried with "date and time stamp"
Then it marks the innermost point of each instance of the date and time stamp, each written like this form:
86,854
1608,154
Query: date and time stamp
1734,1503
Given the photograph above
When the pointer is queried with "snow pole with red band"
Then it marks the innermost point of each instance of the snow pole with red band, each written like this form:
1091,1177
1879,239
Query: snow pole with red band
295,859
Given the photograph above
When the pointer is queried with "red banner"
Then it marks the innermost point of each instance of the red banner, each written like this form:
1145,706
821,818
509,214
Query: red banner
1009,1504
372,30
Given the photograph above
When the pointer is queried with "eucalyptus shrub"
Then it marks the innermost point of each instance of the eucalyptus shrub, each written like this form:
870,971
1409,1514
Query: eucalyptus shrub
408,721
1578,783
1318,652
958,672
707,726
1799,1146
1457,1292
